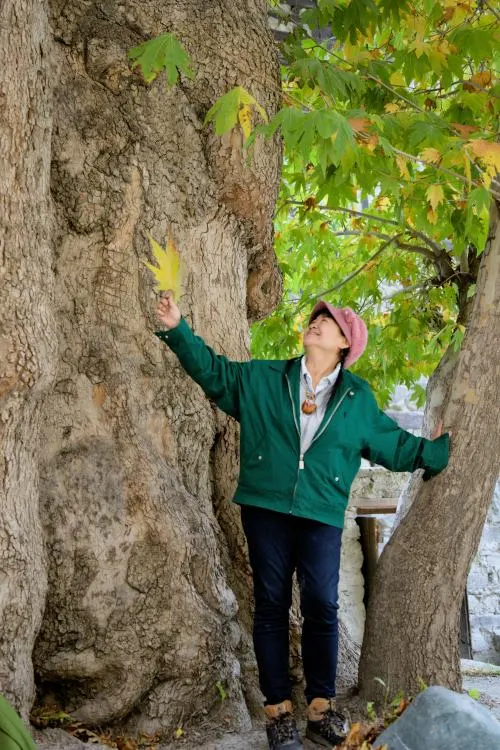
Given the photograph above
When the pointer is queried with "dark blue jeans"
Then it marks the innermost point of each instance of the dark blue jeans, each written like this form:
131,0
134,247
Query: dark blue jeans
279,544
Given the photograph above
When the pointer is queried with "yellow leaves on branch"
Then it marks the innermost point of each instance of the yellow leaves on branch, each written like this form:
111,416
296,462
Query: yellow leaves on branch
167,272
488,153
403,167
435,196
431,155
481,80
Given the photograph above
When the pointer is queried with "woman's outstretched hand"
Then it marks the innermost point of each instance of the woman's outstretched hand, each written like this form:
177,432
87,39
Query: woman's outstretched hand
438,430
167,311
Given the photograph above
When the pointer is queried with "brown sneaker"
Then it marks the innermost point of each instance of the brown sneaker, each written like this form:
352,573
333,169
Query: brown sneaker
281,728
325,725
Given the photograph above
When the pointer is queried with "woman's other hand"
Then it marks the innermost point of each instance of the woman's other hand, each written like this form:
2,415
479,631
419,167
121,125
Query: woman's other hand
438,430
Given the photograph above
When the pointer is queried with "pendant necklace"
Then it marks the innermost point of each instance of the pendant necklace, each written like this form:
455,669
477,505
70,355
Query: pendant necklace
309,405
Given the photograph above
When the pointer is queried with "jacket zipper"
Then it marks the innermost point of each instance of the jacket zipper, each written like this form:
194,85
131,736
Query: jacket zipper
318,434
301,457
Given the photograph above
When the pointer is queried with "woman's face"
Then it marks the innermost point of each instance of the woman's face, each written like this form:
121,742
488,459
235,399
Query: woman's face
324,333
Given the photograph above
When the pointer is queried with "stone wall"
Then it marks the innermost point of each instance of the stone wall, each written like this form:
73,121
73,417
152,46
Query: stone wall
484,589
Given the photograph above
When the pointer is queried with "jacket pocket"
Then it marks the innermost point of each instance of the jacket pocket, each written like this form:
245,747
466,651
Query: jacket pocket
255,464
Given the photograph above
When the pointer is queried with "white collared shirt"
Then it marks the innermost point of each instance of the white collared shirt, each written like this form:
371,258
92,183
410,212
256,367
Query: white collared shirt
309,423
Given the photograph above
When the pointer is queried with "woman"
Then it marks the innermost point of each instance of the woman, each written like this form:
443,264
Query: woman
305,425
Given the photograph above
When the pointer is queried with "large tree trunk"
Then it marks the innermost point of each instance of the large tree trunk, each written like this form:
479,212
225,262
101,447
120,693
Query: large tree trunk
27,339
413,616
140,617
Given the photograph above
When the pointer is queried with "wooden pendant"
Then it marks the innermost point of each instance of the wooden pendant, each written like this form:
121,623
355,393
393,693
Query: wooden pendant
308,407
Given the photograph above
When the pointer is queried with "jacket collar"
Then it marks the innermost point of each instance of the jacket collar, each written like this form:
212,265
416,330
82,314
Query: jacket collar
344,385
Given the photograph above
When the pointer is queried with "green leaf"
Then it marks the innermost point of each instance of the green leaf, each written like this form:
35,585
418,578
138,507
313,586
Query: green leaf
164,52
224,113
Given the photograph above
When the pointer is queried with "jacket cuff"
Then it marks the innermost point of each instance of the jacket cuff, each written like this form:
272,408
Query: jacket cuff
175,335
435,456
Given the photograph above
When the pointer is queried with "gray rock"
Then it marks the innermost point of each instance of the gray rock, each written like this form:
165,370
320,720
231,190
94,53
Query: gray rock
58,739
439,719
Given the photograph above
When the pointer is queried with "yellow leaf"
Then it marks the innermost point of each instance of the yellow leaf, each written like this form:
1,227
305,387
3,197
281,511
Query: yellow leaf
431,155
359,124
369,240
435,196
245,119
402,166
397,79
420,46
167,272
382,202
481,80
432,216
371,143
179,732
391,108
487,151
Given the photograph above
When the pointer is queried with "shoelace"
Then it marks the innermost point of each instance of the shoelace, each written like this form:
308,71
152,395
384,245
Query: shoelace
283,728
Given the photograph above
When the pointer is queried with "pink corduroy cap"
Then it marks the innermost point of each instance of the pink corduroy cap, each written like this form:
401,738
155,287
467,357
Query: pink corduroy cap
351,325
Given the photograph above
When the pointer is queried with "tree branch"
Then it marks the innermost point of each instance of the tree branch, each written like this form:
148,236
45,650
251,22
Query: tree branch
350,211
351,275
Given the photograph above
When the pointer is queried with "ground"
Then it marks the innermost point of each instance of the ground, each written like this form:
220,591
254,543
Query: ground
476,676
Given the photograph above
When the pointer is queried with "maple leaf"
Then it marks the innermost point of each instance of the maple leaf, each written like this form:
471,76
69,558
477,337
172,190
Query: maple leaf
487,151
359,124
235,106
402,166
167,272
431,155
164,52
464,130
245,119
481,80
432,216
435,195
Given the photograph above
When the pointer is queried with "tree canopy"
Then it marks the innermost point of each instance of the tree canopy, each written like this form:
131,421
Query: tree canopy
390,130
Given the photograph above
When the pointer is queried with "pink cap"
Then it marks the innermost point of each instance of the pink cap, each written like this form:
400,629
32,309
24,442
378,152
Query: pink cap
351,325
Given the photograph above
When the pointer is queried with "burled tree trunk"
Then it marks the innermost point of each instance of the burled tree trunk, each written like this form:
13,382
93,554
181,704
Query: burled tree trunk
27,340
413,616
141,617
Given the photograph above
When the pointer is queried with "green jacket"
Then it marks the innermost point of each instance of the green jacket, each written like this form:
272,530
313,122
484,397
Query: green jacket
263,395
13,733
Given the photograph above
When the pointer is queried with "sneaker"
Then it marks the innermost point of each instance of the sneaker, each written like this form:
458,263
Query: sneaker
325,725
281,728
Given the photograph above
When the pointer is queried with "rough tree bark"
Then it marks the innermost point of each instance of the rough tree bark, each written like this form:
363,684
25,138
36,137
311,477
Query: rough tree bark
27,339
413,616
140,618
